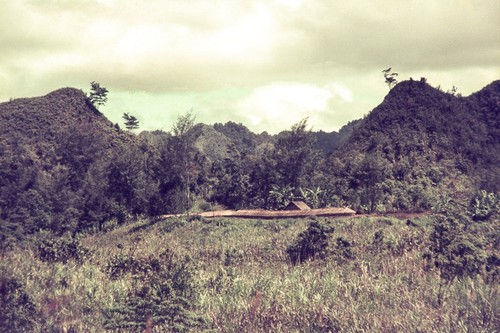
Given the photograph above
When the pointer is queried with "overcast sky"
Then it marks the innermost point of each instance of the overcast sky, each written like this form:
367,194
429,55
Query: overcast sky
267,64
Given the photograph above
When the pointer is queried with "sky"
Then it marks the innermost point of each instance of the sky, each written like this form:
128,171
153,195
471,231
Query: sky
264,63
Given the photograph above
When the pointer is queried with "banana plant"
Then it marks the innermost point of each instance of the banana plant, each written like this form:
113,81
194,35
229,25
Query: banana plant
280,197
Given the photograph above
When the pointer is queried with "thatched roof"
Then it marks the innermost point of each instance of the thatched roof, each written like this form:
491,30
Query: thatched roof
270,214
297,205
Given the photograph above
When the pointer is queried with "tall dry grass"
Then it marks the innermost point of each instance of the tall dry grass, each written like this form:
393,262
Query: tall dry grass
247,283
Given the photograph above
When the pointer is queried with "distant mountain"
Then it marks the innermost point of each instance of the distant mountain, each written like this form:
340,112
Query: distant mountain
213,144
231,136
327,142
242,138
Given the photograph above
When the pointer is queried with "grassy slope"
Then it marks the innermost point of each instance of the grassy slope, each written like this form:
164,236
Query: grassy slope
248,285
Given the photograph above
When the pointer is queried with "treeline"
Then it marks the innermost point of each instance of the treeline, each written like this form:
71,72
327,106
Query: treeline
65,168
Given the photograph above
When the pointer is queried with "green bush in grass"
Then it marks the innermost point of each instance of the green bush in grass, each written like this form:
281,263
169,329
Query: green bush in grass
164,294
312,243
17,311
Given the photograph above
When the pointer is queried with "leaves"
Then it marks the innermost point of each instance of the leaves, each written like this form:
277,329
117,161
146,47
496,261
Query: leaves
456,253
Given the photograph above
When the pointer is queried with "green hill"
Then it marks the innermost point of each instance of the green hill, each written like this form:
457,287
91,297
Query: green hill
420,144
56,155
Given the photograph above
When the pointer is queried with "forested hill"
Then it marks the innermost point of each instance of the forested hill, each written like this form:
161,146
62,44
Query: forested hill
431,143
224,140
56,154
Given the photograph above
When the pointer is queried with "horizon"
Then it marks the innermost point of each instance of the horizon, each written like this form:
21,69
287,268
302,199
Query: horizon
266,65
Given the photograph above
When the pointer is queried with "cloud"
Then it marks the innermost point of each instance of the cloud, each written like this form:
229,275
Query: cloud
277,106
197,49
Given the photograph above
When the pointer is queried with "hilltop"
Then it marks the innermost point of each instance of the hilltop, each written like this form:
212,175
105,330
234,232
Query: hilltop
43,118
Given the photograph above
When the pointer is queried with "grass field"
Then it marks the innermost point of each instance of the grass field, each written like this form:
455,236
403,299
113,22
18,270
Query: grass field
241,280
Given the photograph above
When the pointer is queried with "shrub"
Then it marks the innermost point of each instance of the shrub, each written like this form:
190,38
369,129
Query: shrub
17,311
163,293
378,239
311,244
342,250
170,224
61,249
121,264
456,252
483,205
196,217
492,273
204,206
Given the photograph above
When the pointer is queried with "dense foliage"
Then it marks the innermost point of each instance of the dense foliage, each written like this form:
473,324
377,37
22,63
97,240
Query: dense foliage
164,293
17,311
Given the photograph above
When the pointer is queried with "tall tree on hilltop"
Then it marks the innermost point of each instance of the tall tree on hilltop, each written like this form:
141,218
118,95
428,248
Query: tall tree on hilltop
390,77
98,95
131,122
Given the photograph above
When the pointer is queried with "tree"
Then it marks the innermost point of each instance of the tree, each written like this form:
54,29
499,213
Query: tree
183,144
233,184
131,122
280,197
98,95
457,252
295,155
311,196
367,178
183,124
390,77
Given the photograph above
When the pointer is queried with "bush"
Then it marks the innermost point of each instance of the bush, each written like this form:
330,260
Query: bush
456,252
311,244
205,206
170,224
17,311
63,249
483,206
492,274
163,293
342,250
122,264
